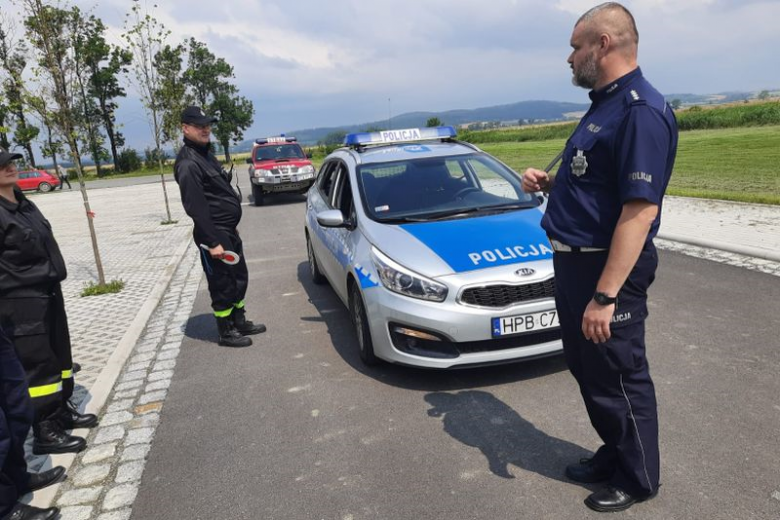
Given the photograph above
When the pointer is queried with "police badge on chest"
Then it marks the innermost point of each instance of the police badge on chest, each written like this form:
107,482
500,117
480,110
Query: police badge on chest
579,164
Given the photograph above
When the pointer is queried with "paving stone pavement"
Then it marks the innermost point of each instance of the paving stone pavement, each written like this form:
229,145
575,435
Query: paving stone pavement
134,247
103,481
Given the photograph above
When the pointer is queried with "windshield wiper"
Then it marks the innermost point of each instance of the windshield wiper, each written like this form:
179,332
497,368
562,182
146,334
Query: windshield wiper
401,220
478,209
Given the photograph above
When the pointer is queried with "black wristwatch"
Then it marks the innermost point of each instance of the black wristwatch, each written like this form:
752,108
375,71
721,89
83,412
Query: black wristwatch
602,298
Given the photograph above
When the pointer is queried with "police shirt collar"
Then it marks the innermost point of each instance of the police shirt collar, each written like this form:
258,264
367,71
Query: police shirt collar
615,86
200,148
11,206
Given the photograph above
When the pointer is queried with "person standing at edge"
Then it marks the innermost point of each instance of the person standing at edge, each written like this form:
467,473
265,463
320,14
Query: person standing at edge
215,209
602,215
16,416
62,173
32,311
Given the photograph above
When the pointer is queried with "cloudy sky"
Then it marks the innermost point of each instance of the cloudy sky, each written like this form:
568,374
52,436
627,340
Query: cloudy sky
310,63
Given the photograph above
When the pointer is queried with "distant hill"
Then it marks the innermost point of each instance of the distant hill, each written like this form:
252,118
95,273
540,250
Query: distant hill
535,111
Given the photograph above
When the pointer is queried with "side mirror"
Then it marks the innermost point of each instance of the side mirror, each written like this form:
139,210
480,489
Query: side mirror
308,155
249,161
331,218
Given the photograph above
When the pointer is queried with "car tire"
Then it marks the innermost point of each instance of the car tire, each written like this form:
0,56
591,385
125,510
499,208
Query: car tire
44,187
357,310
314,268
258,195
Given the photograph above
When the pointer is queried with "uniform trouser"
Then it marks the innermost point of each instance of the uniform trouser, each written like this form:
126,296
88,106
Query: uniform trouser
227,283
614,377
39,330
16,416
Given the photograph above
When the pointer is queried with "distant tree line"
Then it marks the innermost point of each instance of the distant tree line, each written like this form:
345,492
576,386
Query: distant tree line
61,83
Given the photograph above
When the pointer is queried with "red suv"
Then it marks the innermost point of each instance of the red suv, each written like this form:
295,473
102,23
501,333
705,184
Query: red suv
37,180
279,164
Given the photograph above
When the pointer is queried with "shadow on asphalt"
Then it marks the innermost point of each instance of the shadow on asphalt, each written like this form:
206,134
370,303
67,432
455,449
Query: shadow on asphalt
202,327
480,420
336,317
279,199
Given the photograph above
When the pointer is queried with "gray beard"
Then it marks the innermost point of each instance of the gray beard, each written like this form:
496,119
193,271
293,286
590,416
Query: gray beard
587,75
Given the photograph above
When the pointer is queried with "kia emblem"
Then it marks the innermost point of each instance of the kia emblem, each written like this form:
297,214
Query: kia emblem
525,271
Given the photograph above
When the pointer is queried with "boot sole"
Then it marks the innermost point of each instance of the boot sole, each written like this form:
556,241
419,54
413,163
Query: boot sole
54,451
221,344
251,332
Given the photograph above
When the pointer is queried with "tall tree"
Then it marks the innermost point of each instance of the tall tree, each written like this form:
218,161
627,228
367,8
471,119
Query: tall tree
40,104
103,63
172,91
4,130
13,61
209,79
48,32
146,38
85,33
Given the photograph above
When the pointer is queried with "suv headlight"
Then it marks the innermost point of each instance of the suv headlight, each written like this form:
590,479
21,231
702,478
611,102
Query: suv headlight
260,173
306,169
403,281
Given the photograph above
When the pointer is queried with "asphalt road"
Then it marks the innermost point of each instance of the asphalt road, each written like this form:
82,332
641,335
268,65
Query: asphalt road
295,428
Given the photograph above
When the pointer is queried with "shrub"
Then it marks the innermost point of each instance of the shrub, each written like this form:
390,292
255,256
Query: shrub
152,155
128,161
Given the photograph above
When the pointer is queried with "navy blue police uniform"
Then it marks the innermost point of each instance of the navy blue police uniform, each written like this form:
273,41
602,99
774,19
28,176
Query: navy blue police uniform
622,150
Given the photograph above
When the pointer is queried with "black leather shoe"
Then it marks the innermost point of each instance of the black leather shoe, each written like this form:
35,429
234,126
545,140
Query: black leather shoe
25,512
229,335
611,500
244,326
70,418
587,472
43,479
51,438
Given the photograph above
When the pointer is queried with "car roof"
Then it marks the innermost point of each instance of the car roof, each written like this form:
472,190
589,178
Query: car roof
409,151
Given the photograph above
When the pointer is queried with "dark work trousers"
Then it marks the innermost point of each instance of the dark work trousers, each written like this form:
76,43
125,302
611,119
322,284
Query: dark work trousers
16,416
227,283
39,329
614,377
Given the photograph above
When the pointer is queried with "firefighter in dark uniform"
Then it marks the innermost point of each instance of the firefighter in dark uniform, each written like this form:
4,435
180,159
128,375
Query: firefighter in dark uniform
32,311
215,209
603,212
16,416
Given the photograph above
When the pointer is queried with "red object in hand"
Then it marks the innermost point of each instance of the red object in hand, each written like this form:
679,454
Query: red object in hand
91,214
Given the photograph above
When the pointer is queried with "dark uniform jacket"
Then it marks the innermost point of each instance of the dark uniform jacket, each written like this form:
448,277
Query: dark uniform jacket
206,194
31,267
30,259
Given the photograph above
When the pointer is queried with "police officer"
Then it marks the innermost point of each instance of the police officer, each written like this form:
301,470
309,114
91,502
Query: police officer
215,209
32,310
16,416
602,215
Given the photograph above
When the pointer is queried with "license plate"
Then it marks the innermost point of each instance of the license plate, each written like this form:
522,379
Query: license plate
295,178
523,323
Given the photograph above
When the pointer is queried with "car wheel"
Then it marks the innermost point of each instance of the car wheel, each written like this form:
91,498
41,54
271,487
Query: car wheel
360,321
316,275
44,187
258,195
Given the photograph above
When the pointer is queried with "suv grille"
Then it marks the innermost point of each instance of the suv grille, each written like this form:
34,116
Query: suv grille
505,295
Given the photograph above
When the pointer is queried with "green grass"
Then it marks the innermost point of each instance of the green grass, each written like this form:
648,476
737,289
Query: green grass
740,164
94,289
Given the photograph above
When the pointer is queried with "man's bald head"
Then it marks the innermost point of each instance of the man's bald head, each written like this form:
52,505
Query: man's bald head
615,20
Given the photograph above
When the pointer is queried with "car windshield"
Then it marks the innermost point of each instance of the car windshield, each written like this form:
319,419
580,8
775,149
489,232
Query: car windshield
442,187
279,152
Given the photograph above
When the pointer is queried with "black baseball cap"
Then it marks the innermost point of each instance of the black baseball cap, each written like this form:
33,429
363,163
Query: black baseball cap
196,116
6,156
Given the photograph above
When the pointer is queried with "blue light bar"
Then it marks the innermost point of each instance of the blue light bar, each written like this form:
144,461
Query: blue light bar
400,136
275,140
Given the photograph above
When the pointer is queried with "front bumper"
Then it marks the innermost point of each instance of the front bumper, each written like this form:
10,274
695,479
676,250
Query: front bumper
278,184
465,332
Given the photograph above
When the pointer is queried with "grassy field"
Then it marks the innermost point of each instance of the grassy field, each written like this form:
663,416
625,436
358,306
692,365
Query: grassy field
740,164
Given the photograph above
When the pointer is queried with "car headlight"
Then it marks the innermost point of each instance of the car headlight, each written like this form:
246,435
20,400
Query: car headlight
306,169
260,173
403,281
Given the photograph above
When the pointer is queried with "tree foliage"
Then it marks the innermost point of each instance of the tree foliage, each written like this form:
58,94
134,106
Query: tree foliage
433,121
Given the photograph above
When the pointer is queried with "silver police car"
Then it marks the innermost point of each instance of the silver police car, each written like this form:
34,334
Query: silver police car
435,249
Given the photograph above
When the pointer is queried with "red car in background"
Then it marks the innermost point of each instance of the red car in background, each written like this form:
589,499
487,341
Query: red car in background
37,180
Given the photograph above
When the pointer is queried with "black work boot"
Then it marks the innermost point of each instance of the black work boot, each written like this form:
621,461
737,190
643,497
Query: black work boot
70,418
229,336
25,512
36,481
243,325
51,438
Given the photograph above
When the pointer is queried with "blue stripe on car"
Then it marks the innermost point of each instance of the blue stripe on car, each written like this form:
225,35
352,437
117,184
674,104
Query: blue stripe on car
477,243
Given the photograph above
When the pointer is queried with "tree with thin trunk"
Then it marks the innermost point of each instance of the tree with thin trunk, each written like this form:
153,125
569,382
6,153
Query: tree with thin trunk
13,62
146,38
48,32
172,92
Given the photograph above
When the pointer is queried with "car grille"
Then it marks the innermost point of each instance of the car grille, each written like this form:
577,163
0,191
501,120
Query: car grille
500,296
